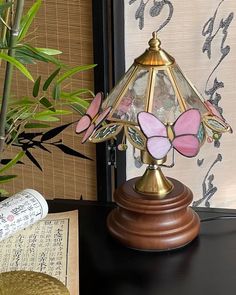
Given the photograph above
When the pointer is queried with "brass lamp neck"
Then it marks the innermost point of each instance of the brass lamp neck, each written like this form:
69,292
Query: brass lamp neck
154,183
146,158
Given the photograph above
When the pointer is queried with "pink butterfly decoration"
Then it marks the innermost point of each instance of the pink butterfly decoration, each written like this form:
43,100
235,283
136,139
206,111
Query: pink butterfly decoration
92,118
182,135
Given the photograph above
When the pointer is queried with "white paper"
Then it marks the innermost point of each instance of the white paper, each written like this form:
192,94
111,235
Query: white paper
20,211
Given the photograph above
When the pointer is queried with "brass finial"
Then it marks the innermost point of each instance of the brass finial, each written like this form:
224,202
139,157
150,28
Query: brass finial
154,43
155,55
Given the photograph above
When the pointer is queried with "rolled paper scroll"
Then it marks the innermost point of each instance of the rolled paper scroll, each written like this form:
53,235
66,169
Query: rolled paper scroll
20,211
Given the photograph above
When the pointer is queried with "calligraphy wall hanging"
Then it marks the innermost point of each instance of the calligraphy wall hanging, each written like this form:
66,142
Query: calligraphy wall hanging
200,34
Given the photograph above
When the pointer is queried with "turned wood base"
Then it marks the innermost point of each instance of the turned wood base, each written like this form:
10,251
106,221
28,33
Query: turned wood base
147,223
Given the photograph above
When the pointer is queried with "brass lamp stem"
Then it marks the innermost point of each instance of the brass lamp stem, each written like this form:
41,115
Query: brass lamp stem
154,183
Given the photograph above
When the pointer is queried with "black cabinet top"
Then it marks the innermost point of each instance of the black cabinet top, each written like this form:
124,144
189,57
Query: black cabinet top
205,266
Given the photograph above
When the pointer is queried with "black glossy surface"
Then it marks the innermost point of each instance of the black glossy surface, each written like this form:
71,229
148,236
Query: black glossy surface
206,266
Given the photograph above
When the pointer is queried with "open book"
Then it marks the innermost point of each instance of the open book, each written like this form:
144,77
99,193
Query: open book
49,246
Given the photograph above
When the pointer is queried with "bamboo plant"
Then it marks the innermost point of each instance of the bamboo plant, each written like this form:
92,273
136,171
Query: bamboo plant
49,100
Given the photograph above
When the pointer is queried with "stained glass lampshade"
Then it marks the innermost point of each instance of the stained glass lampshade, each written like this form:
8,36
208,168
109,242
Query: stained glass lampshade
159,110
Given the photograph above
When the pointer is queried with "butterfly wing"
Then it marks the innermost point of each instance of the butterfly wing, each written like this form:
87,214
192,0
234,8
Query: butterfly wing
150,125
95,105
86,120
101,117
187,145
187,123
88,133
83,124
158,146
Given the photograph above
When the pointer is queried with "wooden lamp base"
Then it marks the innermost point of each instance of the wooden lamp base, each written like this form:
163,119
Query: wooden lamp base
146,223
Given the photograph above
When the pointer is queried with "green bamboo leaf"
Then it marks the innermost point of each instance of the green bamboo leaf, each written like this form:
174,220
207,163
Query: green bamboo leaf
6,178
51,113
65,94
82,91
36,87
51,59
46,118
50,116
36,54
27,55
12,162
25,115
73,71
36,125
78,100
24,59
56,93
49,51
47,104
78,108
13,138
22,102
17,64
50,79
28,18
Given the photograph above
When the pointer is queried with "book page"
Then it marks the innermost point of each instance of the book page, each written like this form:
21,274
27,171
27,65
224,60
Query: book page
49,246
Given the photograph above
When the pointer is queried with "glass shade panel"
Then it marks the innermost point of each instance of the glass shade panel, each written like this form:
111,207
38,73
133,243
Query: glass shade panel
165,104
190,96
111,99
133,100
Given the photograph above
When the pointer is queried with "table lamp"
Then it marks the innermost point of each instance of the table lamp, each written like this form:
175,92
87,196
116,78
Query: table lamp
159,111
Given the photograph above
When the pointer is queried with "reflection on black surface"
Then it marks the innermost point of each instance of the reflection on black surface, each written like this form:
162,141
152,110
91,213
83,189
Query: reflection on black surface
116,269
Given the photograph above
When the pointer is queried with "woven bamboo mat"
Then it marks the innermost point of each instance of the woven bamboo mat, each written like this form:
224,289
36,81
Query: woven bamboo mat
67,26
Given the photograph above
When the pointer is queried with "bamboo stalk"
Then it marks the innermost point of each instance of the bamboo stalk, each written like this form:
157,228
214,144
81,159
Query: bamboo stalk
9,70
3,27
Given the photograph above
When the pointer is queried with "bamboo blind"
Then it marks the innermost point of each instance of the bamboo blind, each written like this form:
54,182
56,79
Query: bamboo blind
67,26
